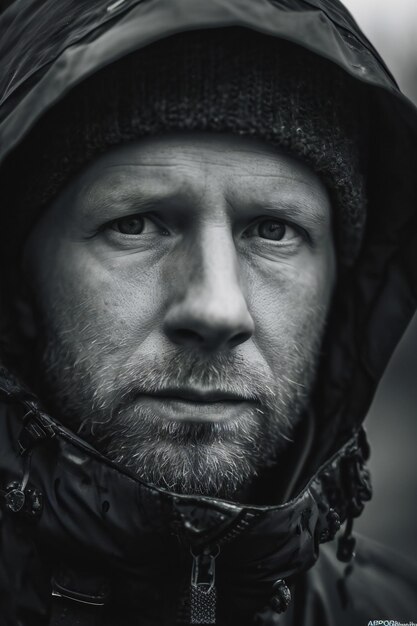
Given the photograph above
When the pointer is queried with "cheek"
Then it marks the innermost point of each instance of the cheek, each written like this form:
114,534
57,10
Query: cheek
289,305
114,305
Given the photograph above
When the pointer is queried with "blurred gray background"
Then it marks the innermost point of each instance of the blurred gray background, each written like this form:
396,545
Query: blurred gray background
391,517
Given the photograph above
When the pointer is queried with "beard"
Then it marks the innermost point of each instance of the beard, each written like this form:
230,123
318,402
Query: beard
98,397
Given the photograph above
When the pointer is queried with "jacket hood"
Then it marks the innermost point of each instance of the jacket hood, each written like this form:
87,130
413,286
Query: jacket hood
47,48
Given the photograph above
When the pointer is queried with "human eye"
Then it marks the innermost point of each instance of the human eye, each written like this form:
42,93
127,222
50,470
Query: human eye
274,230
136,225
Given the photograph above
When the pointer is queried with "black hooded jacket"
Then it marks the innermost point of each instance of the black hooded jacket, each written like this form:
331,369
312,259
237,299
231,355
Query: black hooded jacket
82,541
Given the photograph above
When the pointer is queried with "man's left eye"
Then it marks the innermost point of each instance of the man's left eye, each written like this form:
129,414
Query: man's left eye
271,229
130,225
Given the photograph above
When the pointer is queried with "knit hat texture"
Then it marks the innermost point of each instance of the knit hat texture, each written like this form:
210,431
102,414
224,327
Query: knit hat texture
227,80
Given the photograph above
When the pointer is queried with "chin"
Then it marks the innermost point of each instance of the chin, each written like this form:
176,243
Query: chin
214,469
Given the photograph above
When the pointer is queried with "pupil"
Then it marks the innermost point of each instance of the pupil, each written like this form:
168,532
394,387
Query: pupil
130,225
272,230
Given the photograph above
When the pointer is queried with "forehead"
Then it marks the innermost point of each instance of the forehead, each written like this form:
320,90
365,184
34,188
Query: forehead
193,166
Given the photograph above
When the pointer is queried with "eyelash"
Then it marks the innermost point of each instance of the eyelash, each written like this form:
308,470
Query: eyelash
295,227
158,224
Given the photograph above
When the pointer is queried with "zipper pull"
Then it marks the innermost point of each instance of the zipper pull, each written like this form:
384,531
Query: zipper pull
203,590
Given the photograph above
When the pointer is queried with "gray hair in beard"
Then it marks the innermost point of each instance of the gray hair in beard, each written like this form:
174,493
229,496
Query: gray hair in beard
216,459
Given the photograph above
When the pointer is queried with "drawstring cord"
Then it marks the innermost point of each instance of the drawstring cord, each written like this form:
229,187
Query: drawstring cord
347,543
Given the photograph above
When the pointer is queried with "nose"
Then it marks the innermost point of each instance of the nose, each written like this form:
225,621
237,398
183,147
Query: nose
209,309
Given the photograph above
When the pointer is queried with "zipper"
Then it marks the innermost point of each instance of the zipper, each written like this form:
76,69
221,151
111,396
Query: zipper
203,593
198,604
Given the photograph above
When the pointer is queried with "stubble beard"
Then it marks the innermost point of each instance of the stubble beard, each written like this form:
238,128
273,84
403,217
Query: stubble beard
219,458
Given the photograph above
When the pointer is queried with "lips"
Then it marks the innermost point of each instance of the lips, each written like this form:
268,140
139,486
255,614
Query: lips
199,395
194,405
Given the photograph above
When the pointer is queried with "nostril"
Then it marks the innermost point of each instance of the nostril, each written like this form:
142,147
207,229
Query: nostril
239,338
187,337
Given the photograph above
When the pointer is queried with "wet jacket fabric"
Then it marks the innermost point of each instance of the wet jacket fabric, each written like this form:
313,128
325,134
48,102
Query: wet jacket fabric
84,542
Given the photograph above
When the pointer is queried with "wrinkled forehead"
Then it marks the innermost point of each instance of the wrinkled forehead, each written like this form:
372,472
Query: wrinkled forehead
190,167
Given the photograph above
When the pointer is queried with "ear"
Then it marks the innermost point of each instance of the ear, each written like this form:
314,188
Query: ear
25,316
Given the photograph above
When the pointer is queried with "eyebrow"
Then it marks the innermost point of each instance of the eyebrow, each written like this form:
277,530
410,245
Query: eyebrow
137,199
295,210
96,198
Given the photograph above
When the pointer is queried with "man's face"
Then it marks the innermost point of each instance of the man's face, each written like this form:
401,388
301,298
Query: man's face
180,289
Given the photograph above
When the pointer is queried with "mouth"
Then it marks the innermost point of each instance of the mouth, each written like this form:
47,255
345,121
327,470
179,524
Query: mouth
203,396
195,405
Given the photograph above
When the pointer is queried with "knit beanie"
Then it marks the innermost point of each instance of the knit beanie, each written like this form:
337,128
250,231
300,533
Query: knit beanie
226,80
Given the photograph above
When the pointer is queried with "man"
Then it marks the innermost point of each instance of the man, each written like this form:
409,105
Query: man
210,253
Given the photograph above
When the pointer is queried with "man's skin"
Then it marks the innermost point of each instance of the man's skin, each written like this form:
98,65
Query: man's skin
177,291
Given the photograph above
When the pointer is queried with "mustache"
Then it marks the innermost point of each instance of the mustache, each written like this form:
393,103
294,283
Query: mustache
226,374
